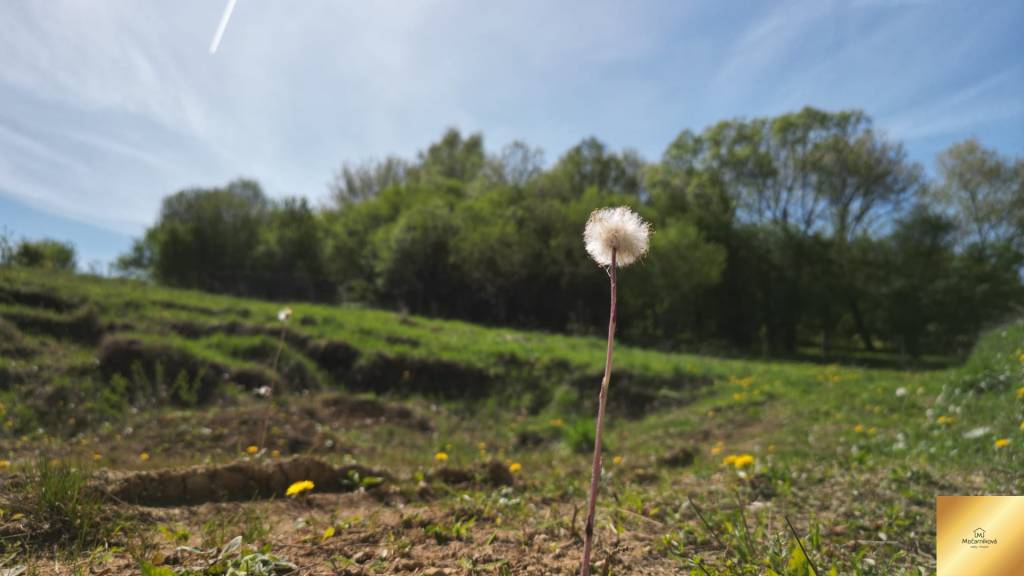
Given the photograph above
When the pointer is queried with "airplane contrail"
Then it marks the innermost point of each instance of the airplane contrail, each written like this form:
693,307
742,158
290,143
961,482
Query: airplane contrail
222,26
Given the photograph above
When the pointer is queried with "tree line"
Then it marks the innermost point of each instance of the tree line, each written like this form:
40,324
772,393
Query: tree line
771,235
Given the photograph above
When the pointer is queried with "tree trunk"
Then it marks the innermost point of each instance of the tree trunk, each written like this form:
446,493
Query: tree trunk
858,321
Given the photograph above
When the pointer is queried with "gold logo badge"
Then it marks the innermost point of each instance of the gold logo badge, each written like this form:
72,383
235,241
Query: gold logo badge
979,535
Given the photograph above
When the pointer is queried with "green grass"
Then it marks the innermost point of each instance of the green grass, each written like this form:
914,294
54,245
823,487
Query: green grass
852,455
55,506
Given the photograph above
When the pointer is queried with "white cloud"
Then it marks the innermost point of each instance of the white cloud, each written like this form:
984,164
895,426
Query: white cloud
108,105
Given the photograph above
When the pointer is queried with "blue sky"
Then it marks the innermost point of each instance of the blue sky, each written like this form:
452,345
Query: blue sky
107,106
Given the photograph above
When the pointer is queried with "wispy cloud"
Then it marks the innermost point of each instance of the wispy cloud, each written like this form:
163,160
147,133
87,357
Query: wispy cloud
107,106
996,98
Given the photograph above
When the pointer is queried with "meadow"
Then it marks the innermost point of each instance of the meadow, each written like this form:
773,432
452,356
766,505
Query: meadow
157,431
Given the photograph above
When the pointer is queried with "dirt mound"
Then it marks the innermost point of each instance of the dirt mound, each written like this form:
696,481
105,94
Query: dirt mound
240,481
678,458
160,364
82,325
371,411
37,299
634,395
493,473
334,356
402,374
13,343
197,329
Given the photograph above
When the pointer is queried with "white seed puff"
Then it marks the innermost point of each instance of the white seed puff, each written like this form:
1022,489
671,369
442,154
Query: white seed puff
619,229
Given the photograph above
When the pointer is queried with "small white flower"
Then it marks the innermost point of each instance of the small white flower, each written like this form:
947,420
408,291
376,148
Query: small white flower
901,392
263,391
616,229
284,314
976,432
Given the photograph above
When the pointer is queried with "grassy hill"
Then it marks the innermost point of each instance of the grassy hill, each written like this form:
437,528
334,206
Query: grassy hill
112,378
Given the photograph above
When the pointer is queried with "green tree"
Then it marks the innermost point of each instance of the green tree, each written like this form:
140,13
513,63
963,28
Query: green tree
208,237
453,157
48,254
290,255
354,183
984,193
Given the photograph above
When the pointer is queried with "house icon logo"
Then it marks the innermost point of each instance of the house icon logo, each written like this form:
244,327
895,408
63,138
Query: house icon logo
979,539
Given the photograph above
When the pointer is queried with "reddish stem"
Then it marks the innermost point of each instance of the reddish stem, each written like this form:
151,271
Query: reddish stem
595,473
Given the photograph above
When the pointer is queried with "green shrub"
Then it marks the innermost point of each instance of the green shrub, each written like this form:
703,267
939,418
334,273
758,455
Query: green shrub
579,435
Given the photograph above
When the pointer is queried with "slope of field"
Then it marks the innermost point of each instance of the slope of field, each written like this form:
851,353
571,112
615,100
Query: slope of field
441,447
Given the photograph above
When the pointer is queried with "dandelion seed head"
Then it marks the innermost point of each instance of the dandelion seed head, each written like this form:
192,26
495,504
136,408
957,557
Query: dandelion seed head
616,229
284,314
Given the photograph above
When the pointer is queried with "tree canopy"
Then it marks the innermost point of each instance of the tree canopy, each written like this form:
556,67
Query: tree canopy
771,235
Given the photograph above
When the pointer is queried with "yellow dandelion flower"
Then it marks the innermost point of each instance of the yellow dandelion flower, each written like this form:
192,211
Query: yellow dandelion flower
1022,425
1021,358
738,396
617,460
1002,442
1020,392
945,420
299,487
717,448
481,446
275,453
252,449
144,456
5,464
96,456
328,533
515,467
743,460
441,456
858,428
557,422
729,460
872,430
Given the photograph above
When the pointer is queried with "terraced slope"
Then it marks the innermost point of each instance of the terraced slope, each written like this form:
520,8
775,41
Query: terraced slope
86,337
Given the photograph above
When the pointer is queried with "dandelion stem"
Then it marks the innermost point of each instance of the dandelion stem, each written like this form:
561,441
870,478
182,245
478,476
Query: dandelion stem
595,473
706,523
746,531
266,415
801,544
